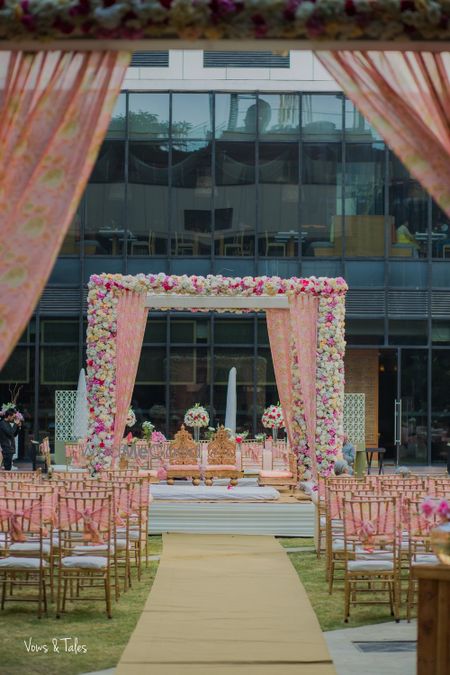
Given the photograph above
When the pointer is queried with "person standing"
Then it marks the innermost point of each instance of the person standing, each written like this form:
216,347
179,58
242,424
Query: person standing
8,432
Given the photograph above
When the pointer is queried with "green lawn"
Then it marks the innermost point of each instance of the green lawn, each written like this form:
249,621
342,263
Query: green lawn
105,639
329,608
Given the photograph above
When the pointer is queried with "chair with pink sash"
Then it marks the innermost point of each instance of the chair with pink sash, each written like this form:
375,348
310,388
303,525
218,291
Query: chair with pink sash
24,556
183,458
86,537
75,454
222,462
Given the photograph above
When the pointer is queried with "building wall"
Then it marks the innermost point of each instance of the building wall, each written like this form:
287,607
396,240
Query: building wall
361,377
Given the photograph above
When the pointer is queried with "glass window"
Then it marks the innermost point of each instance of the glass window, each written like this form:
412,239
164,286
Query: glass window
236,116
71,243
59,330
148,115
117,125
440,405
263,335
364,331
440,275
440,332
194,331
408,273
321,198
279,115
66,272
152,366
189,382
321,116
408,208
357,128
148,404
59,365
233,331
105,202
148,198
191,199
414,433
266,389
155,331
364,200
16,369
440,233
364,273
408,332
191,116
278,199
235,196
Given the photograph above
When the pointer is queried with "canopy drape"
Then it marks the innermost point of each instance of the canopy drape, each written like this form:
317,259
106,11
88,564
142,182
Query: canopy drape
55,108
131,321
406,97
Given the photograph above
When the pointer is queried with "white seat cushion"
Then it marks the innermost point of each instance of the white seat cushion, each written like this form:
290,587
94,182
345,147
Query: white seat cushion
425,559
339,545
323,521
88,562
21,563
133,535
376,554
370,565
29,547
81,549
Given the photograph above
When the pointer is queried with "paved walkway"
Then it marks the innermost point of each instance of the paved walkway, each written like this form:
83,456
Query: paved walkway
226,605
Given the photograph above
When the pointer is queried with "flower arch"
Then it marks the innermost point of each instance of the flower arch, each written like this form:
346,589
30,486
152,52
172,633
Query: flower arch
117,313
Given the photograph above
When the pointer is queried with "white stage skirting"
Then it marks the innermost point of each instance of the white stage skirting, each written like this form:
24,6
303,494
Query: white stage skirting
215,493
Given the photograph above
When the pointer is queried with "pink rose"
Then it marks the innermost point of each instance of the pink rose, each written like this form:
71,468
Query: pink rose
427,507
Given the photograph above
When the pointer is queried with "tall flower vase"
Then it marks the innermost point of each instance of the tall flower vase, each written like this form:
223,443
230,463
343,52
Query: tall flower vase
197,434
274,434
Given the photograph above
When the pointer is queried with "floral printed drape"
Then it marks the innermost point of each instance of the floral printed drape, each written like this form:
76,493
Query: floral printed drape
406,97
55,108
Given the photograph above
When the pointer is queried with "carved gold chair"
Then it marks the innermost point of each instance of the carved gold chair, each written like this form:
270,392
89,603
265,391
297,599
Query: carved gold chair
287,478
222,458
183,460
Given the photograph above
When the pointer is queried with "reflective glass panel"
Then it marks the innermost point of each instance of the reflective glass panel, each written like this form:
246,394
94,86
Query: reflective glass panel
408,332
148,198
408,207
105,202
279,115
357,128
321,116
278,199
117,125
321,199
364,200
440,405
191,115
189,382
236,116
243,360
191,199
364,331
414,433
440,233
148,115
235,196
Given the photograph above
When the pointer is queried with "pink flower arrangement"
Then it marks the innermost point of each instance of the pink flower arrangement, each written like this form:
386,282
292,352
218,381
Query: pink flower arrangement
273,417
158,437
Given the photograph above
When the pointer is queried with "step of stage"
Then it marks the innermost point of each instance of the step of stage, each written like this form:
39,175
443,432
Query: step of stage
280,520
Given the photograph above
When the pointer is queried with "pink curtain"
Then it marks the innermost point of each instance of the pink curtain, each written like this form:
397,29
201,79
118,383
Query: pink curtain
303,311
279,329
406,97
55,109
131,322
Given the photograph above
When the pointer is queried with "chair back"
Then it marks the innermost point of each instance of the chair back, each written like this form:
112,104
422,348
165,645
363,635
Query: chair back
222,449
183,449
371,521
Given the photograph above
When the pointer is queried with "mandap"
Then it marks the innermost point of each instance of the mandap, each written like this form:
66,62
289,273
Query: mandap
305,321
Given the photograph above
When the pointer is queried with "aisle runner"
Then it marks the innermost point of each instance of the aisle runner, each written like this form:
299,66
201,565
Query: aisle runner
226,605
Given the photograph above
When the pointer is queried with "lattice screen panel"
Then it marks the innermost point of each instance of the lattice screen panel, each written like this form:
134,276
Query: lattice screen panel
355,417
64,413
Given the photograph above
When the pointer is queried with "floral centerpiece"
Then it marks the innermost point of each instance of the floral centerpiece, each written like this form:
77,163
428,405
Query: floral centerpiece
433,508
131,418
260,438
240,436
158,437
196,417
147,429
273,419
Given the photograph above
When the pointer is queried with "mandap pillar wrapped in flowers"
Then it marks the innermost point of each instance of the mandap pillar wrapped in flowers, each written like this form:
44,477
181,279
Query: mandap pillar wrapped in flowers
306,338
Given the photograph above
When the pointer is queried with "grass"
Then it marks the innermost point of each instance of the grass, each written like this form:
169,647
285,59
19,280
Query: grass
105,639
329,608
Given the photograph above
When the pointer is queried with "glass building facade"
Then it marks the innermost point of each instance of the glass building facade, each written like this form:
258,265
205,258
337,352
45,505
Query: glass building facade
246,183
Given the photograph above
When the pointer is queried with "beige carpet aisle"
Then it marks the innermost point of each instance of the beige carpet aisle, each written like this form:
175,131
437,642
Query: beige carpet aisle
223,604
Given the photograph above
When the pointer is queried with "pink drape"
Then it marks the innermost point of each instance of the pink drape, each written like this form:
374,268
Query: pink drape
303,311
54,112
406,97
279,330
131,322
